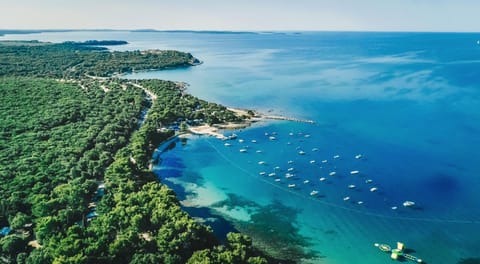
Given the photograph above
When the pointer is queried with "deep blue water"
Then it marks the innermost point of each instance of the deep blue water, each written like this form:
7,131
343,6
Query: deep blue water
407,102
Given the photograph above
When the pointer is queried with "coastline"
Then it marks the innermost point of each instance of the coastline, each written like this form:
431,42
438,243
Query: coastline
249,117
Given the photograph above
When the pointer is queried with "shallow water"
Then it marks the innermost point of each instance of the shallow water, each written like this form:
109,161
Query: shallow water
407,102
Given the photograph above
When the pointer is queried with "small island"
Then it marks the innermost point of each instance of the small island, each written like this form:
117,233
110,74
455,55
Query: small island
76,144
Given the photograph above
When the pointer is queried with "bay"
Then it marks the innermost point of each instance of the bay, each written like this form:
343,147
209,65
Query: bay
406,102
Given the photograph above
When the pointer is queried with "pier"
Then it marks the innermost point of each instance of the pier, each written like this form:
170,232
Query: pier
276,117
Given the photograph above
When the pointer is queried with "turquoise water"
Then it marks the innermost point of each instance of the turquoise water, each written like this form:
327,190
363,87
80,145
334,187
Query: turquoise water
407,102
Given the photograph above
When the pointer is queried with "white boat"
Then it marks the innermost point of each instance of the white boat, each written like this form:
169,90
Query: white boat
336,156
290,169
262,173
254,141
354,172
374,189
332,173
307,136
241,140
290,134
408,203
324,161
346,198
262,162
352,186
394,208
359,202
368,181
301,152
272,174
277,167
322,179
312,161
291,185
290,162
313,193
227,144
306,181
272,138
315,149
243,150
277,179
289,175
359,156
258,151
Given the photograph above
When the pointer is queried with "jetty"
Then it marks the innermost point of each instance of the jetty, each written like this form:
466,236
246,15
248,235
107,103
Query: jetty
278,117
397,253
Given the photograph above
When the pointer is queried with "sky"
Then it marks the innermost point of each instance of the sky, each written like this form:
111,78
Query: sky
240,15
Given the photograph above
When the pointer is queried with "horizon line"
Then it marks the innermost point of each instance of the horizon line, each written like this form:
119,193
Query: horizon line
33,30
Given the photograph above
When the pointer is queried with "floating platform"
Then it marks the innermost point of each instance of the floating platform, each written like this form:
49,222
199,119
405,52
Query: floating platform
397,253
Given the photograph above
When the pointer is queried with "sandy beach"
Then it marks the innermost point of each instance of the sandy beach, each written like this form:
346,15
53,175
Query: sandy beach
206,130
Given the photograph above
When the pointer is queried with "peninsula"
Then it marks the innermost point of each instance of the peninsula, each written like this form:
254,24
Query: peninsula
75,146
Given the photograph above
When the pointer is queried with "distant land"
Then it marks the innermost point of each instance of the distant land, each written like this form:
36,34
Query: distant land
98,42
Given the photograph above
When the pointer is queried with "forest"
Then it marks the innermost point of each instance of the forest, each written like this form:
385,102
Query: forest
75,60
75,151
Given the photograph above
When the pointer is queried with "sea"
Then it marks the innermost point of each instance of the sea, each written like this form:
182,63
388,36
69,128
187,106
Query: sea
392,155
